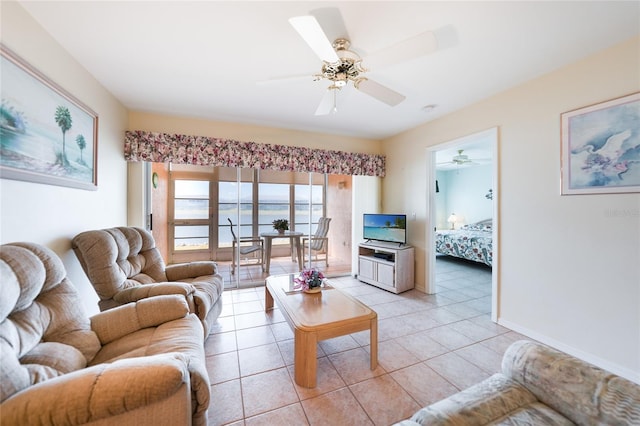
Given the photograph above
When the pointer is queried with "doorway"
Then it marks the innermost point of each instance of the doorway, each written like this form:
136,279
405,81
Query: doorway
463,192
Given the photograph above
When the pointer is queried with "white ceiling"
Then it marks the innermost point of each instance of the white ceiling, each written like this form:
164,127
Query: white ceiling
478,150
205,59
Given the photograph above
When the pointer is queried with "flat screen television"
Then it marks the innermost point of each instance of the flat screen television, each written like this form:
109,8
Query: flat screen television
385,227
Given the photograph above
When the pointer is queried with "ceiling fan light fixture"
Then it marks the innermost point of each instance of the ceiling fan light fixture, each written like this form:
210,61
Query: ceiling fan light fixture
460,158
345,69
341,65
329,102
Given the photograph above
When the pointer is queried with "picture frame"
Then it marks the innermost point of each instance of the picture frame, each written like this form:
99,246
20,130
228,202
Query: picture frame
47,135
600,151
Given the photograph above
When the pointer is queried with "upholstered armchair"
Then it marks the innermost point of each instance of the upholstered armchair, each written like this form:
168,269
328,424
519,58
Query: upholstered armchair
124,265
140,363
538,385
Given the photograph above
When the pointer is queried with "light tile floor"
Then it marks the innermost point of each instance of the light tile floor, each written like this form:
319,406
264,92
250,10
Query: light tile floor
251,275
430,346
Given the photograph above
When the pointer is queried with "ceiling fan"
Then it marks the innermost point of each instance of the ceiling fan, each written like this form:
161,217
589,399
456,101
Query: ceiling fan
341,65
462,159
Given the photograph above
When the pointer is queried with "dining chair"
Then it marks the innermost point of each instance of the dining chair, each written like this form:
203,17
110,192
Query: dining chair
319,242
248,246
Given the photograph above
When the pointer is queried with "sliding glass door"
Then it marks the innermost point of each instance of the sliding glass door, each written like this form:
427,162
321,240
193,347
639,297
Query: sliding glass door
204,202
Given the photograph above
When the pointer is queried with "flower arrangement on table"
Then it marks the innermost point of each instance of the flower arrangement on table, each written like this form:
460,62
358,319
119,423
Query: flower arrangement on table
309,280
280,225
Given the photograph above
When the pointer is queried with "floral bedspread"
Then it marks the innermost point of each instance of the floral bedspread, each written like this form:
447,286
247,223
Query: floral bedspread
471,242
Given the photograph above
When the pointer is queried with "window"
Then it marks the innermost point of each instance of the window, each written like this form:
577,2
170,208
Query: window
191,215
228,209
301,212
204,197
273,203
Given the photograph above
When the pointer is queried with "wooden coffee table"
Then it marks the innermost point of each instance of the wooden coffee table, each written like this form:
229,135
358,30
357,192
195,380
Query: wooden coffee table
318,316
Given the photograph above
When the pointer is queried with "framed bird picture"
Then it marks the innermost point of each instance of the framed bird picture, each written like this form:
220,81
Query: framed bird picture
601,147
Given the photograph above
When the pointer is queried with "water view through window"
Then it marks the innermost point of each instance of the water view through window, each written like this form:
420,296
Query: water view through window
191,214
194,210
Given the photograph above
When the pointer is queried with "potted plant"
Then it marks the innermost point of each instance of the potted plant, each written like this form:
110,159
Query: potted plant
309,281
281,225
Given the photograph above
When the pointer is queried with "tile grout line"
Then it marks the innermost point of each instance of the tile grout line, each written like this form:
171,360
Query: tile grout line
374,295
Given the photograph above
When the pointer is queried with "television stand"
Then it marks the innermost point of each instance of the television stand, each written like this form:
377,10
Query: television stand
387,266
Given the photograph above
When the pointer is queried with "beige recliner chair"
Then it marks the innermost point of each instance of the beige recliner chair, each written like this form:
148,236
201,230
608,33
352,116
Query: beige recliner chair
124,265
140,363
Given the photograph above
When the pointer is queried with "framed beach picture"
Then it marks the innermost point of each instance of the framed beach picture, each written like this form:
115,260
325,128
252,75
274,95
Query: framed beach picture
46,135
601,147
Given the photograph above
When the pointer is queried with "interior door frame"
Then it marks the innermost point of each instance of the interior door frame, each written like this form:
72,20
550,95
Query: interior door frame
492,135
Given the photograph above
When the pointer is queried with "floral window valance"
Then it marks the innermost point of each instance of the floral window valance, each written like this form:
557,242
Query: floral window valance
208,151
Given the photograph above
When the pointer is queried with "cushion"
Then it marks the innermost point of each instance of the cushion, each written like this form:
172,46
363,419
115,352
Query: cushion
534,414
578,390
478,405
60,358
44,330
118,258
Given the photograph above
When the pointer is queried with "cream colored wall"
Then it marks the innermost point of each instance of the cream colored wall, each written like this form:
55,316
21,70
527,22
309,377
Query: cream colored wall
249,133
339,209
53,215
366,198
570,269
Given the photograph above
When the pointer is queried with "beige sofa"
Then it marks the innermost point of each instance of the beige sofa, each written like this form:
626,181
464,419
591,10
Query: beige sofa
124,265
539,386
142,363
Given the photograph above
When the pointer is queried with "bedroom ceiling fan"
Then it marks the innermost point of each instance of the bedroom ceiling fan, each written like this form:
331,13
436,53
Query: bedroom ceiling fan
462,159
341,66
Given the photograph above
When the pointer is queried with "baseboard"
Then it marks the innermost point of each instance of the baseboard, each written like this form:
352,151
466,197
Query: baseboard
614,368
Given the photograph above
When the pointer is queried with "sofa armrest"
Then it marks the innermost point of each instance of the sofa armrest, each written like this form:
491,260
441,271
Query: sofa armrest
582,392
133,294
181,271
126,319
99,392
480,404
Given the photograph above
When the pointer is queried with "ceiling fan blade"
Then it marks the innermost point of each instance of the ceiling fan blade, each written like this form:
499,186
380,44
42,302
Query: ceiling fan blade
311,32
330,20
414,47
446,36
380,92
411,48
286,79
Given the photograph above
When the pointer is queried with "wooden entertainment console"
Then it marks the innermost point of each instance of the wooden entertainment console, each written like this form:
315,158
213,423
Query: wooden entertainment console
386,265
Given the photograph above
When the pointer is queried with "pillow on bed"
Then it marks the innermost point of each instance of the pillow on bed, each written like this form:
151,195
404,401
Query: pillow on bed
483,225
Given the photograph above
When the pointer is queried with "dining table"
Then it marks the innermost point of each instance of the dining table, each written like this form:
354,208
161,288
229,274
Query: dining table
296,246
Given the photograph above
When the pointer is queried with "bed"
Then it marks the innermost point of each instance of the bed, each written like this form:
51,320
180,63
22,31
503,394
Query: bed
471,242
